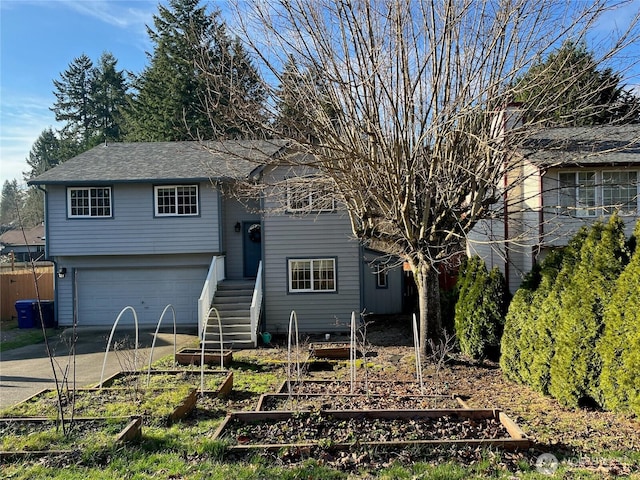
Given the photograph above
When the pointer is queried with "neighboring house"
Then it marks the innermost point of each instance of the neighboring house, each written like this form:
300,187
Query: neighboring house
24,245
151,224
566,178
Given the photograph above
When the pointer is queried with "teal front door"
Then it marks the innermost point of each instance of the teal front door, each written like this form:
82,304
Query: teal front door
251,247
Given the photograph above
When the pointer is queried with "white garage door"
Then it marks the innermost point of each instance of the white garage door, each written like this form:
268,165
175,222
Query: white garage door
104,292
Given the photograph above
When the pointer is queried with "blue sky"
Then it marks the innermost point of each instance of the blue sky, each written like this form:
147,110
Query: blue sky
40,38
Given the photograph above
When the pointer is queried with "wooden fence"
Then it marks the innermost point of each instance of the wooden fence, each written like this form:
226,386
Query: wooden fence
20,284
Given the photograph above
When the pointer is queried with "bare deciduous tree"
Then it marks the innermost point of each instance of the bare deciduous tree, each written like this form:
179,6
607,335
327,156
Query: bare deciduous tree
399,101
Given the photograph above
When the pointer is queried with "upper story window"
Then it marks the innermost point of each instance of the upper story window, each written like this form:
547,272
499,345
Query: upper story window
89,202
620,192
310,194
312,275
593,193
174,200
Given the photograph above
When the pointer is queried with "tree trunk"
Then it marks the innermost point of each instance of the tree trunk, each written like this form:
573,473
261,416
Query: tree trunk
426,277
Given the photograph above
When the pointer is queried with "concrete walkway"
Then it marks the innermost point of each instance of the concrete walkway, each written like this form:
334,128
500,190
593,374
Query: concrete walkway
27,370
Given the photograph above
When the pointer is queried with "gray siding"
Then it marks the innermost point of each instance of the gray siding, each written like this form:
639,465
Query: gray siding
381,300
133,229
315,235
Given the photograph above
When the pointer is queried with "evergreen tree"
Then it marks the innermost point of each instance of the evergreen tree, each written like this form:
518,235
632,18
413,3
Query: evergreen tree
45,153
109,99
74,102
556,271
32,212
619,346
575,366
588,96
200,83
480,310
295,107
11,198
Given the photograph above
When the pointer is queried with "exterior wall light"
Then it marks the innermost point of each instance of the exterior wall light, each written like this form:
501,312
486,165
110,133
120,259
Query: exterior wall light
62,272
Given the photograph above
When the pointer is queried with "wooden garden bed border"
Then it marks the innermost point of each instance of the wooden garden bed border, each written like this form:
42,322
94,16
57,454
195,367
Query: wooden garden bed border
130,433
181,410
192,356
265,396
225,388
517,440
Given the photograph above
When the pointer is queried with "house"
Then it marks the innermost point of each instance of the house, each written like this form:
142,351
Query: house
151,224
25,245
563,178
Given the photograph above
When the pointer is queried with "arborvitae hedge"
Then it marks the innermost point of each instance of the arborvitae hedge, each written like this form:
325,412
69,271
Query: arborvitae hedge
480,309
619,346
575,367
574,332
516,319
555,272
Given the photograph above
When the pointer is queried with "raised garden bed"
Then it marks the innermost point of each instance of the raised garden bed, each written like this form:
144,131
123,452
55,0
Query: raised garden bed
158,406
216,382
35,437
283,401
361,387
192,356
379,428
332,350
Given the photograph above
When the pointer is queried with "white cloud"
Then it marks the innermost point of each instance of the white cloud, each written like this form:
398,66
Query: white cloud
22,120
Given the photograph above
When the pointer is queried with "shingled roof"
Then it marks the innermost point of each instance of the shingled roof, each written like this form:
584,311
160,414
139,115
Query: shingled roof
585,146
162,162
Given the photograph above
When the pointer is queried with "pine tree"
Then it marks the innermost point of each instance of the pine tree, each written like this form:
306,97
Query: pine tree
575,366
619,345
109,99
45,154
295,109
589,96
74,105
11,198
200,82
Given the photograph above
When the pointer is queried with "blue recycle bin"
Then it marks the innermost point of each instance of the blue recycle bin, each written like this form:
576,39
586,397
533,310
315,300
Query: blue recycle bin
29,315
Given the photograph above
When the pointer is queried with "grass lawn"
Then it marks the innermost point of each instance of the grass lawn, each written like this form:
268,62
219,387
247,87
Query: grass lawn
14,337
587,444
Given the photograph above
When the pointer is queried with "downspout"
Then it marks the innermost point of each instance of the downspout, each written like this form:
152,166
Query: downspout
56,303
541,173
506,202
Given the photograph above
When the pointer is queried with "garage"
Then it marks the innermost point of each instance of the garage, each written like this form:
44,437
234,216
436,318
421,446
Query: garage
103,292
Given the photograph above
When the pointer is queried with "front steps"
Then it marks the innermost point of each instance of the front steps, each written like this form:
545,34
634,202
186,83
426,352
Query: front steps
233,302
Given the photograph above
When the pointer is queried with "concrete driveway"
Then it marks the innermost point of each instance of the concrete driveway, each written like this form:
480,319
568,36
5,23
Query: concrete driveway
27,370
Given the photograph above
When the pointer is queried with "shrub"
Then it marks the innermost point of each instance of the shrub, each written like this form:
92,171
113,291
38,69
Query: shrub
575,368
480,310
619,346
510,346
556,270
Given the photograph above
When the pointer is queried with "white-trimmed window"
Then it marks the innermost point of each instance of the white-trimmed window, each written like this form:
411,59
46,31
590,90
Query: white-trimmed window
89,202
175,200
620,192
312,275
593,193
310,194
